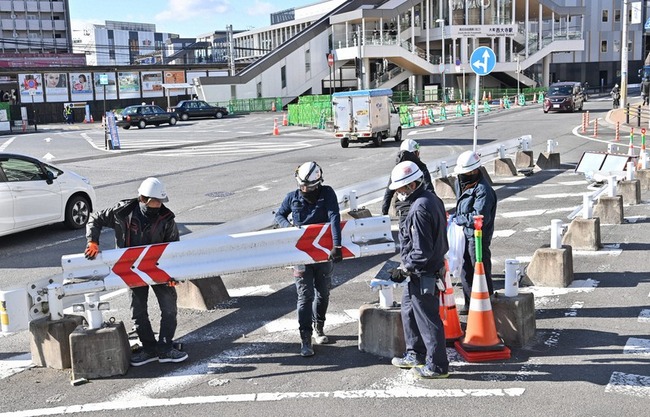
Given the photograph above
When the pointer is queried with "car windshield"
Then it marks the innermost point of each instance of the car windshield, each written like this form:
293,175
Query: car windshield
130,110
563,90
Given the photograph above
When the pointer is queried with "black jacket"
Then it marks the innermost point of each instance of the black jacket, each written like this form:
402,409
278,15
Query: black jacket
118,217
403,206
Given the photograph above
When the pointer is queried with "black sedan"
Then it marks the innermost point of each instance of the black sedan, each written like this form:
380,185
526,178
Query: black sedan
198,108
145,115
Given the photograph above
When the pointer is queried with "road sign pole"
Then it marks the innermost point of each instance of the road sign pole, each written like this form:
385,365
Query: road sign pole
476,107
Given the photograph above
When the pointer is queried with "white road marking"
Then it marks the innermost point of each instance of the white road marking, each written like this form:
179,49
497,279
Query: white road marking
637,346
503,233
6,144
15,364
87,138
629,384
644,316
400,392
573,310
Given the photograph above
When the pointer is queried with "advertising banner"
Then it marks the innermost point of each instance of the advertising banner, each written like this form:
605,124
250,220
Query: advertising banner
152,84
128,84
174,77
31,88
81,87
56,86
111,87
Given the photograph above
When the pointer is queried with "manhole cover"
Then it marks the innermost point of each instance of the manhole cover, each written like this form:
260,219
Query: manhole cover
219,194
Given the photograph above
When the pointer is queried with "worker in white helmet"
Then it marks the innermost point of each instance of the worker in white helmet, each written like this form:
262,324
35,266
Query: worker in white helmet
409,151
423,245
144,220
474,196
312,203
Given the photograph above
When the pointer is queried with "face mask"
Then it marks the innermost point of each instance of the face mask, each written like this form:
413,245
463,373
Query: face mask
402,196
311,196
150,212
466,179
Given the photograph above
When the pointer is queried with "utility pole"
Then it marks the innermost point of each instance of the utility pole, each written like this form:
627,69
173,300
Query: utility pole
624,56
231,51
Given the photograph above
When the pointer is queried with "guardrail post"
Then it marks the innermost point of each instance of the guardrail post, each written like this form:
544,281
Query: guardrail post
443,169
586,207
556,234
611,186
513,273
353,200
550,146
629,174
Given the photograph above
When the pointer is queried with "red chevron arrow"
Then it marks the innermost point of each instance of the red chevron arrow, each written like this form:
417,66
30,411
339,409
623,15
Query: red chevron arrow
123,267
149,265
320,254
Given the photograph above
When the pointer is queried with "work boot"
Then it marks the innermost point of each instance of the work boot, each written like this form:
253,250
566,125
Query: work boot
320,336
409,360
305,347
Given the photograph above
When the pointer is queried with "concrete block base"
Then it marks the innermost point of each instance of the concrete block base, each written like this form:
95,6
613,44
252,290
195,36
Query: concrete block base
644,178
380,331
551,267
583,234
202,294
514,317
631,191
100,353
50,341
504,167
609,210
547,160
524,159
444,187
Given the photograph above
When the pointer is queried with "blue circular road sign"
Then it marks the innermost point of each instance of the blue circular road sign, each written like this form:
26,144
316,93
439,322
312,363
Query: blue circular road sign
483,60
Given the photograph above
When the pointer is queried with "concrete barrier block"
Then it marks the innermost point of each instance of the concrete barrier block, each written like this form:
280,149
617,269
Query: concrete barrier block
380,331
50,343
100,353
444,187
524,159
551,267
514,317
609,209
644,178
202,294
631,191
547,160
583,234
504,167
486,175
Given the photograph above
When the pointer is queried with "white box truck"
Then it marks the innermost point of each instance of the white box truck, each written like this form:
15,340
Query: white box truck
365,115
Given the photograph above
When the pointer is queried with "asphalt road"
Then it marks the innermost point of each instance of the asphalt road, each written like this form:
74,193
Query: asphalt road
589,357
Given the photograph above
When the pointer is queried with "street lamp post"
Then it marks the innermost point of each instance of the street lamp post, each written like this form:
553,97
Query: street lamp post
518,70
442,64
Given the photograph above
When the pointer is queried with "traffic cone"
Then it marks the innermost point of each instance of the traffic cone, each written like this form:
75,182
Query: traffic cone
273,108
448,311
481,342
483,96
426,117
91,119
284,120
276,131
489,95
534,97
501,105
422,119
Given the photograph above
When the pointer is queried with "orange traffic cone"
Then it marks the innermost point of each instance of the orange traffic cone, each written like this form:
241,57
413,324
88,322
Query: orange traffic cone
91,119
534,97
448,311
501,106
427,121
481,342
284,120
489,95
423,121
276,131
273,108
483,96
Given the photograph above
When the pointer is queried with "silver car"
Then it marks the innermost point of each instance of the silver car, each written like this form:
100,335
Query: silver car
34,193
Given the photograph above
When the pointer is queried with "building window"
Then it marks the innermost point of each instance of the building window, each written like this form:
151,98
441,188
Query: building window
605,16
283,76
307,61
617,15
603,46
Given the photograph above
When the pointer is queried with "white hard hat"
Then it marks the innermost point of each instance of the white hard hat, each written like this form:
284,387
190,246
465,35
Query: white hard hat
309,173
615,85
404,173
467,161
153,188
409,145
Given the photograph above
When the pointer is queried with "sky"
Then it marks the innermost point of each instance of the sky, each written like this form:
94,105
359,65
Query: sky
188,18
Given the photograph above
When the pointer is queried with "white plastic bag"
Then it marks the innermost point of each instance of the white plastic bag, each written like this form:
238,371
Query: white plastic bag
456,239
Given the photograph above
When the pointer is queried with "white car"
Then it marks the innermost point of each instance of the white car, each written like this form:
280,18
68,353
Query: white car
34,193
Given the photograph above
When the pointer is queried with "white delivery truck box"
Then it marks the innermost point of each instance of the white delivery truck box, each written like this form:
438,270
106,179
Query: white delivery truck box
365,115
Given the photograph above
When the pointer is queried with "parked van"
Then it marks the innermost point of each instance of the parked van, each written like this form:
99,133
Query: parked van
565,96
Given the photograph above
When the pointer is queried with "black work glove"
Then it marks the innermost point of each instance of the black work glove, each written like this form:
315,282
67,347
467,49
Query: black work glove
398,275
335,255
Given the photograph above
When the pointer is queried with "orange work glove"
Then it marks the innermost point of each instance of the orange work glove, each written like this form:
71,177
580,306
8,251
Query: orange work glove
92,249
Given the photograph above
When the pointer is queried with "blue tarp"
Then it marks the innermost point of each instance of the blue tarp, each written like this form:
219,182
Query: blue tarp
371,93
